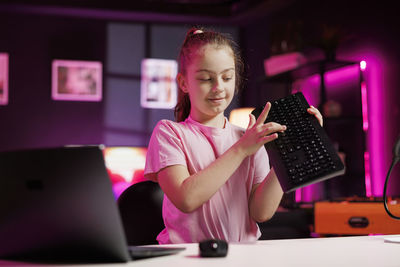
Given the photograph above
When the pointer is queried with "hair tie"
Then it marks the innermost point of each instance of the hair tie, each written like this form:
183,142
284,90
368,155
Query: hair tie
197,32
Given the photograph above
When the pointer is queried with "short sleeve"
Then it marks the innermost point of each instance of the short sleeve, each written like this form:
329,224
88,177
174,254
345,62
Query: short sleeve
165,149
261,165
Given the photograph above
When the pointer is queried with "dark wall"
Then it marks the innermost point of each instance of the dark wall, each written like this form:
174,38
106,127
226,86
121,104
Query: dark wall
32,118
367,28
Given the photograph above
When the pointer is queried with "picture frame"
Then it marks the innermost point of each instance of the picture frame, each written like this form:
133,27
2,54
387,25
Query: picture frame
76,80
4,60
158,88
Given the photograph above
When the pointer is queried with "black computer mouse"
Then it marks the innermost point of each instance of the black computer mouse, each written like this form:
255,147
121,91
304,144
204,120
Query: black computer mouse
213,248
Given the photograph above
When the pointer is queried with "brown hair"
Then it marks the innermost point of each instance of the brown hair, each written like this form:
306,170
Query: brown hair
195,38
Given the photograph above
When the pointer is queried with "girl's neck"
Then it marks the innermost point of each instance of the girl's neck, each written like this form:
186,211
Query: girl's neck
216,121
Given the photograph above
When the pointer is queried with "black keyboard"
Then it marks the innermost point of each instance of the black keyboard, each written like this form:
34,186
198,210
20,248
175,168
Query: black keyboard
303,154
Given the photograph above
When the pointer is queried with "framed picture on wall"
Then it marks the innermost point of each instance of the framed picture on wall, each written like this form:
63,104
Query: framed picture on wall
158,87
3,78
76,80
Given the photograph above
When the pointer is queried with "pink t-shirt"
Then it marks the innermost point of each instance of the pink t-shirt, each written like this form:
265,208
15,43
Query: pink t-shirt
226,215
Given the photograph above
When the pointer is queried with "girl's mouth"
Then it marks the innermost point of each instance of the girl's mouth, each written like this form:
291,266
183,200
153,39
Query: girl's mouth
216,100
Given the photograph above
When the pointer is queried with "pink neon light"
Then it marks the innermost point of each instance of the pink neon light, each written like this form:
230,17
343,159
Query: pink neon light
376,138
363,65
364,104
373,104
337,80
368,186
297,195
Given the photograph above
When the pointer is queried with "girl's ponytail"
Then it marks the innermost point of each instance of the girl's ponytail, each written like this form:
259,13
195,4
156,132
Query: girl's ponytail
182,108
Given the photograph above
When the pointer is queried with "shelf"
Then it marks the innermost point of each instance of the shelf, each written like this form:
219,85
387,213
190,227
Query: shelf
308,69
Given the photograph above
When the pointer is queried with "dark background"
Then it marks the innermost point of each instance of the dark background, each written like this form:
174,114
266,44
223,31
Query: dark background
121,34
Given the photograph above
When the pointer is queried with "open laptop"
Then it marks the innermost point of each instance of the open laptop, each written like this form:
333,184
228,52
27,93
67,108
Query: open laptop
57,204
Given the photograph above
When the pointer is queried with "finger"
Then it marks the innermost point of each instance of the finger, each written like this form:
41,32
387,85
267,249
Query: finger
252,121
320,120
264,114
273,127
269,138
314,111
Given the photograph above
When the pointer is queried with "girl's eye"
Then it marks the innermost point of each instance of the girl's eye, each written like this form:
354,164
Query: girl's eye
227,78
204,79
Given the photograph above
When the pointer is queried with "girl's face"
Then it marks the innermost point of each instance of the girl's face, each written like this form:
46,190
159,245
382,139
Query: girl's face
210,82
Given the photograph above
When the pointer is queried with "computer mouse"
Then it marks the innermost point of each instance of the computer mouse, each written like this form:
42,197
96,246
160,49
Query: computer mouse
213,248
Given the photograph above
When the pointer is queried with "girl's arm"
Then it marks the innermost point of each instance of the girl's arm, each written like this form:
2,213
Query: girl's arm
188,192
266,196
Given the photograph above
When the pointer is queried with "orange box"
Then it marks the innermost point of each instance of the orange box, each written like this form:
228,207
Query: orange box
355,218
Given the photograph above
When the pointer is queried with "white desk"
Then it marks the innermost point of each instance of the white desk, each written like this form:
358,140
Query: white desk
339,251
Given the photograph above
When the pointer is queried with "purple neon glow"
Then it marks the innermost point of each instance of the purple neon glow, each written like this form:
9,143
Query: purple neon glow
375,138
364,101
297,195
310,89
373,103
363,65
338,81
376,94
368,186
364,105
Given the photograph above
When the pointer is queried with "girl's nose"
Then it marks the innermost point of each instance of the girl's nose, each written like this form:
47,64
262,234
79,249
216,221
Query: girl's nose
218,86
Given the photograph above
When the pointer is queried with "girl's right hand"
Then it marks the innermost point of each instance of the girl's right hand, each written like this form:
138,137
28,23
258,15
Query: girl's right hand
259,133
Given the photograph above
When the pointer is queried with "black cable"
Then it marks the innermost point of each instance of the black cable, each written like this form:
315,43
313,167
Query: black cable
394,161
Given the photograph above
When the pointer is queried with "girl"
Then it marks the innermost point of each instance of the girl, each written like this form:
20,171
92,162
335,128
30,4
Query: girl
215,176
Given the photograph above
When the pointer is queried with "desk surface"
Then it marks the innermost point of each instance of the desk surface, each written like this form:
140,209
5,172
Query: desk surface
334,251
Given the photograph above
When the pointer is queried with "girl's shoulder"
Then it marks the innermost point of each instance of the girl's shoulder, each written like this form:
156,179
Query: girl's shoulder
168,126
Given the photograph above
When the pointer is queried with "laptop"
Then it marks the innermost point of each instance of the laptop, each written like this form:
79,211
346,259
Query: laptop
57,204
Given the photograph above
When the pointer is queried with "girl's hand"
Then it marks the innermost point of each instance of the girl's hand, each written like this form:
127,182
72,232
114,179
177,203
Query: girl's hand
258,133
314,111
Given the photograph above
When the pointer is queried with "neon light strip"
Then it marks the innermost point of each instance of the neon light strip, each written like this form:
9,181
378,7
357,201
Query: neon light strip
376,136
364,106
368,186
297,195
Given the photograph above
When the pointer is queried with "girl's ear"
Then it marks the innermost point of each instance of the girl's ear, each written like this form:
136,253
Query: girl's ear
181,82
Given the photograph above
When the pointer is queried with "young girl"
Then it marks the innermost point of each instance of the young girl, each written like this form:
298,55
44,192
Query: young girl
215,176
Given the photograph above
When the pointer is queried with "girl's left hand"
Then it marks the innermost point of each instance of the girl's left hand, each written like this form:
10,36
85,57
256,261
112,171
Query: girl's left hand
314,111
